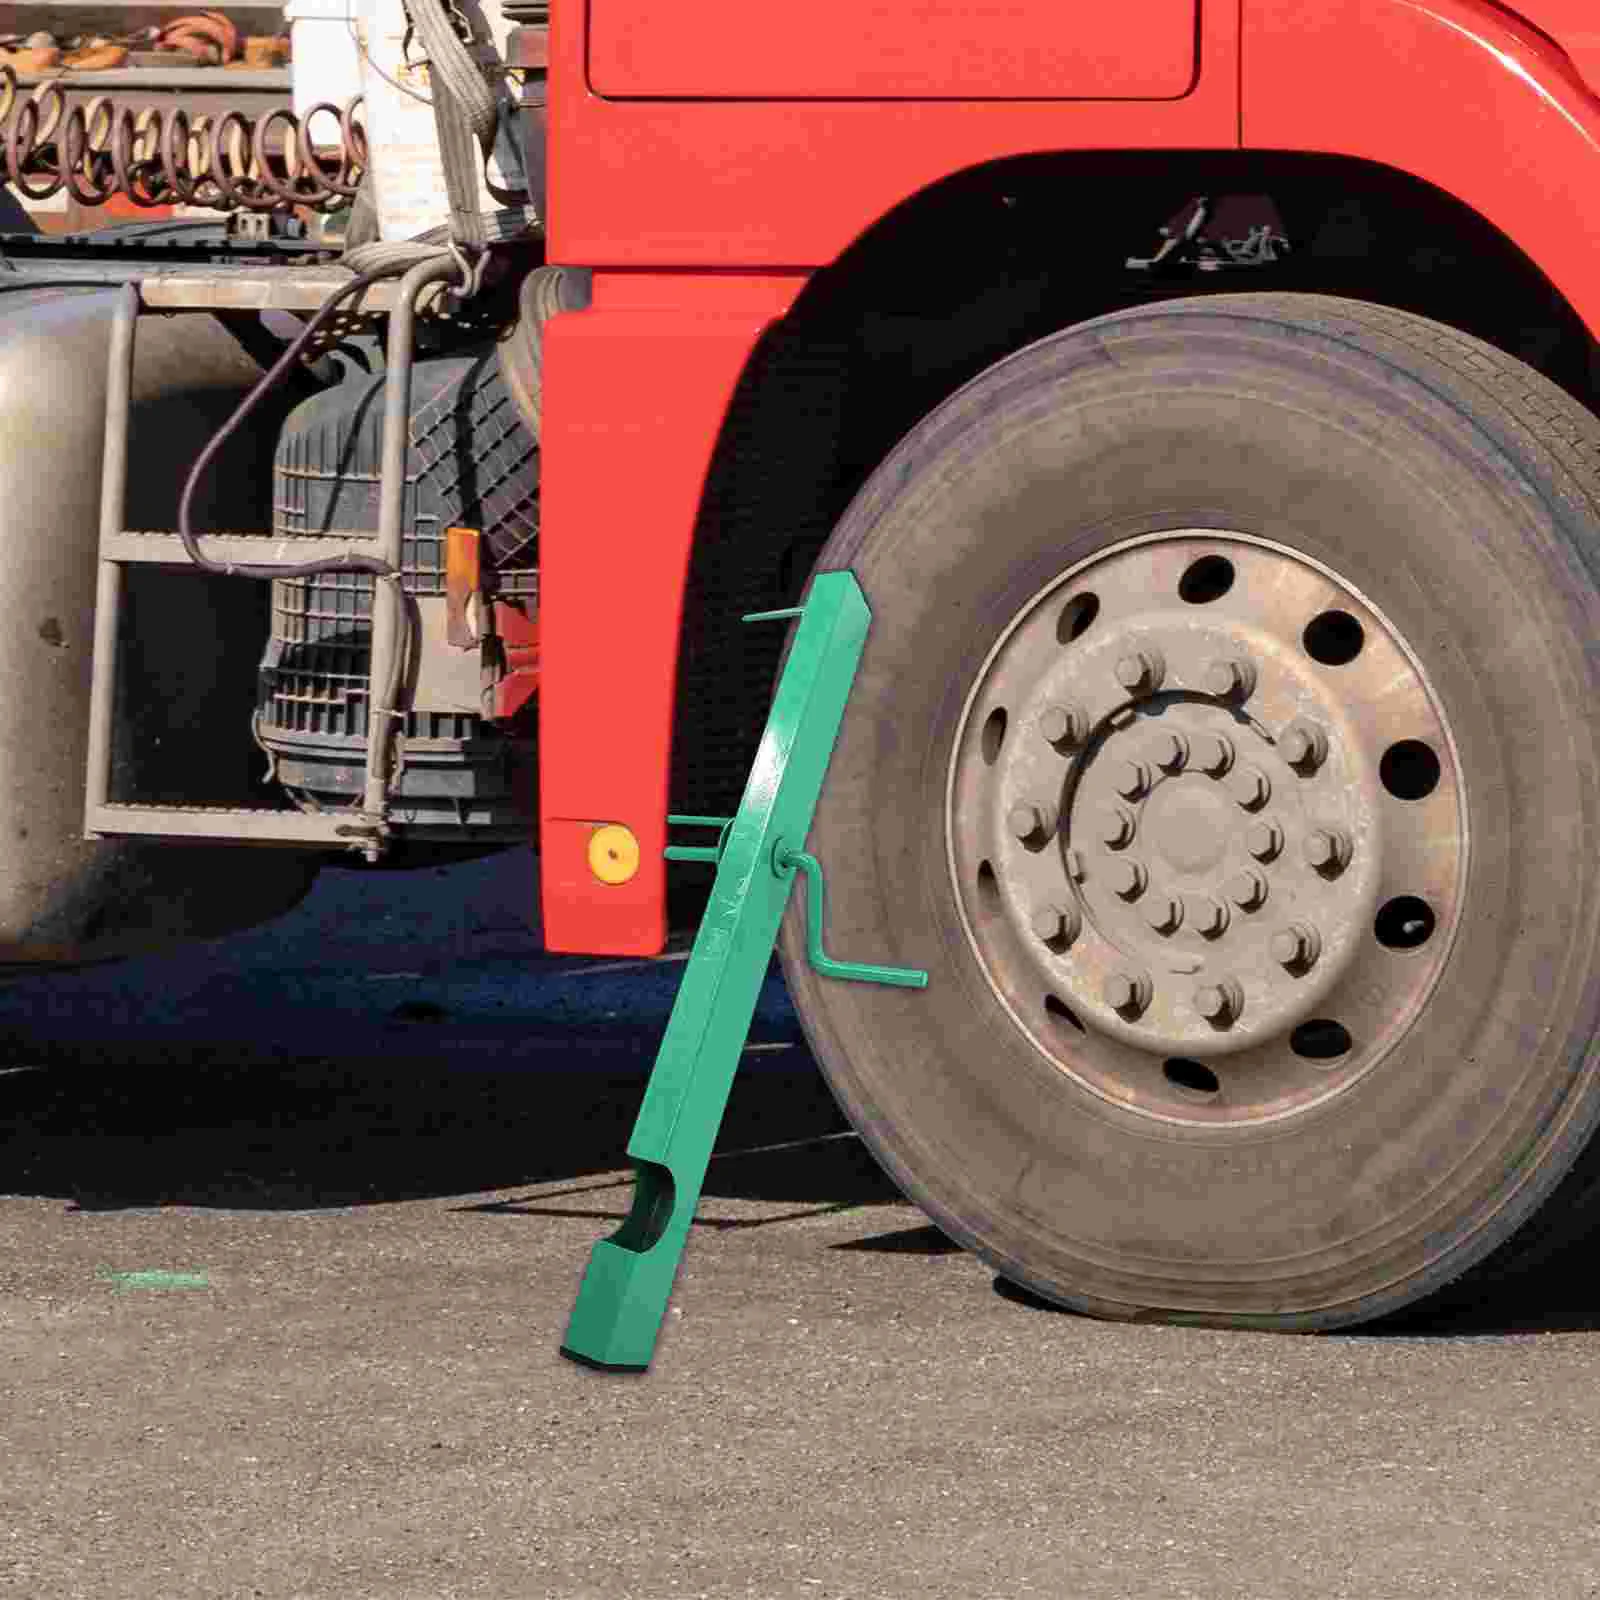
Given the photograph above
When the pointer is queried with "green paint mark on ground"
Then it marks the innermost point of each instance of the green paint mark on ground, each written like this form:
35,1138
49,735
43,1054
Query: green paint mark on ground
154,1278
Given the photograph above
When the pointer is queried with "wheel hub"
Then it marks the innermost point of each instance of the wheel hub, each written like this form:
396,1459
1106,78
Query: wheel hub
1188,826
1172,819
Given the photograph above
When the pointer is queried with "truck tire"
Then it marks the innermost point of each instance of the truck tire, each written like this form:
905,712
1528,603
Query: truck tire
1225,749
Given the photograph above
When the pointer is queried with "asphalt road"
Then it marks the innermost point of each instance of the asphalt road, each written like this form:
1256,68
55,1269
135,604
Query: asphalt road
374,1144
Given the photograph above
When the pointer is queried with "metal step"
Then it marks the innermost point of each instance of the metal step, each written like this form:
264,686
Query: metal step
110,819
242,285
161,548
264,825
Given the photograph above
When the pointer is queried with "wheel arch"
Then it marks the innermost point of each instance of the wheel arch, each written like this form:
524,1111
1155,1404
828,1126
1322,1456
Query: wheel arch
1470,96
977,266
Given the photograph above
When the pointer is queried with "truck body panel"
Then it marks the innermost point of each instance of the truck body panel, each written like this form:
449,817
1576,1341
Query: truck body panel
746,182
893,50
1574,25
1458,93
638,384
646,373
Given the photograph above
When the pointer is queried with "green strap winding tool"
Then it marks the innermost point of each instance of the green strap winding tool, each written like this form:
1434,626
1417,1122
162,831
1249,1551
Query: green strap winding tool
624,1293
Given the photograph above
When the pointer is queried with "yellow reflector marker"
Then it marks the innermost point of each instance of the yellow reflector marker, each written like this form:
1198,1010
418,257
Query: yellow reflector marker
613,853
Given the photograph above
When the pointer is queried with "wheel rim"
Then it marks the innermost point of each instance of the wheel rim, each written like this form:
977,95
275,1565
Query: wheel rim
1207,829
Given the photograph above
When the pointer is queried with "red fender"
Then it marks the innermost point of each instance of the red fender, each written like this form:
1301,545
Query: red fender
747,194
1460,93
638,385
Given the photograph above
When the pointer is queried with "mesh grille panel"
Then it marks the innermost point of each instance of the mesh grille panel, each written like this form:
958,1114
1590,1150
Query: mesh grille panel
470,462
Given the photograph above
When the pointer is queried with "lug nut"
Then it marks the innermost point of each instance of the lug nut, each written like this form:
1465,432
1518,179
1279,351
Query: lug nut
1211,753
1249,787
1141,671
1127,991
1206,916
1132,779
1163,913
1327,849
1127,877
1304,745
1057,924
1247,888
1264,840
1115,825
1168,750
1296,946
1029,821
1230,678
1064,724
1220,1002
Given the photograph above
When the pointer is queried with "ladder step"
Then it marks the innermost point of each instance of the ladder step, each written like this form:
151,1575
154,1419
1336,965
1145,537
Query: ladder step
223,822
259,825
160,548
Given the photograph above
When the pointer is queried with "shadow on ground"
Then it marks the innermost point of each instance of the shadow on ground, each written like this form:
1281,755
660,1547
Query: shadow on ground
399,1036
405,1036
402,1125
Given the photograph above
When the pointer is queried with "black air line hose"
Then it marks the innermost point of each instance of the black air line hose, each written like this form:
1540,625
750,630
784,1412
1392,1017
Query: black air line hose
269,380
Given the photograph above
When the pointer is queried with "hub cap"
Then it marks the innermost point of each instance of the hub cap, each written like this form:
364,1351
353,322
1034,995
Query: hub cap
1206,828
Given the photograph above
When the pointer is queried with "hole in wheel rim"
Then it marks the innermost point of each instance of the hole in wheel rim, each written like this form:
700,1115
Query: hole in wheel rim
1191,1077
1409,770
1404,923
993,735
1059,1011
1076,616
988,888
1321,1039
1334,638
1206,580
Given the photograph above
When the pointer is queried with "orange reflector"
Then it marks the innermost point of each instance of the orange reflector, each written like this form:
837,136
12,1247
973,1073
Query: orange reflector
463,576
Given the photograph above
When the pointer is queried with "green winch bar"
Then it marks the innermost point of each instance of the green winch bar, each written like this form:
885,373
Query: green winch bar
760,851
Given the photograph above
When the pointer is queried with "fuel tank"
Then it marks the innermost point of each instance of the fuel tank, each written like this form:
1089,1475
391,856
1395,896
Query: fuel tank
190,641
